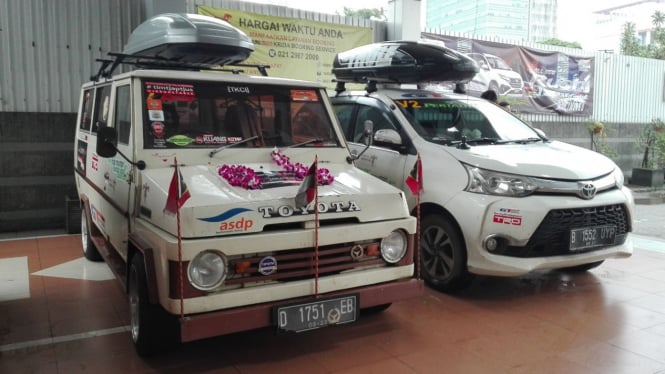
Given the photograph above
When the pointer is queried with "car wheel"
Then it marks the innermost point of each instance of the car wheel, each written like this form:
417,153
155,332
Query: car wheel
583,267
89,250
151,327
443,255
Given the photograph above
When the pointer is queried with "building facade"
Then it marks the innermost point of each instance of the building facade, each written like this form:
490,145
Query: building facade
523,20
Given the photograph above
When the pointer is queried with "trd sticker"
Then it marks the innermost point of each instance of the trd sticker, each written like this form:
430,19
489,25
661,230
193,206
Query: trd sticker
507,219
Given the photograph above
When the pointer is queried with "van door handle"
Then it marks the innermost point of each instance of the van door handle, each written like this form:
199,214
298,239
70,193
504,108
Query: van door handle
106,176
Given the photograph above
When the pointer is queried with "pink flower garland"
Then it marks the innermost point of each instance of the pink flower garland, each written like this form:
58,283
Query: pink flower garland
242,176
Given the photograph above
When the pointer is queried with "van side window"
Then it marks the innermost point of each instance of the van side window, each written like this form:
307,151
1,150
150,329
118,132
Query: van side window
86,109
123,113
102,103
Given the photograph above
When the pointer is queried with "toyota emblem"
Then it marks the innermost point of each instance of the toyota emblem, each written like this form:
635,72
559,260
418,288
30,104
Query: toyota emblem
587,191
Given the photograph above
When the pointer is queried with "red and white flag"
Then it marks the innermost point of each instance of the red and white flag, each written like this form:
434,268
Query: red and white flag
415,178
308,187
178,192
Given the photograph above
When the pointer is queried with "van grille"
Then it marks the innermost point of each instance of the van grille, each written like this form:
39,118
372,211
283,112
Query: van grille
299,264
553,234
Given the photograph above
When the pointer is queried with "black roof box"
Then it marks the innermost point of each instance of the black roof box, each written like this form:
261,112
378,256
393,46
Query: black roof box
403,62
189,38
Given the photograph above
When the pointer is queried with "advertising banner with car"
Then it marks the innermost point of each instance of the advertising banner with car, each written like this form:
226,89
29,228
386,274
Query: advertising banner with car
294,48
532,81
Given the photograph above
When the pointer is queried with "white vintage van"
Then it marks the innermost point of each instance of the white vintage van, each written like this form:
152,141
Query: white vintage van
188,171
498,198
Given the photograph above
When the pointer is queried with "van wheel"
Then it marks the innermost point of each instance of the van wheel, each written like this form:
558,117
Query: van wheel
89,250
152,329
583,267
443,255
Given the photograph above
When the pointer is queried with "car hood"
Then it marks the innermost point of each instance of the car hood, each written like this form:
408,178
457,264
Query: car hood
214,207
549,160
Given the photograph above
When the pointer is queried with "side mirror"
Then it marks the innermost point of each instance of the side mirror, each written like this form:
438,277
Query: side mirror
368,129
388,136
107,140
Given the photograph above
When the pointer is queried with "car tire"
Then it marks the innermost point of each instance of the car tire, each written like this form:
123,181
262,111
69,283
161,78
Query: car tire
583,267
152,329
89,250
443,255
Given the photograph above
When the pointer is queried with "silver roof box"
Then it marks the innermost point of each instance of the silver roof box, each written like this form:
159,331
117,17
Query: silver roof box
189,38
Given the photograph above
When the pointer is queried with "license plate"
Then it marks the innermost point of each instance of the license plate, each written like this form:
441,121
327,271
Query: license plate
316,314
592,237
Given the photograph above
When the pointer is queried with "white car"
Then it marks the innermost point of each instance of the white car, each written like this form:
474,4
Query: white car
496,75
498,197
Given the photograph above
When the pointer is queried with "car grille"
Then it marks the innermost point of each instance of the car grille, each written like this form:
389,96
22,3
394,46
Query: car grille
299,264
516,83
552,236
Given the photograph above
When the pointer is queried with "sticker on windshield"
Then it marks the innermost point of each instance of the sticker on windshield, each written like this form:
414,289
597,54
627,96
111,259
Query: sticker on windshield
171,91
304,95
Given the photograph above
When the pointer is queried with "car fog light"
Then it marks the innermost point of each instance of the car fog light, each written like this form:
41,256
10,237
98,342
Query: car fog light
394,246
491,244
207,270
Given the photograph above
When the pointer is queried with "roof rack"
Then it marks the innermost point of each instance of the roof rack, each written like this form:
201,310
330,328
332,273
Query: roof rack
108,66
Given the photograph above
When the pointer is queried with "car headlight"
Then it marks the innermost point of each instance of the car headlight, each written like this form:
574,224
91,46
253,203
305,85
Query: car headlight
207,270
505,77
494,183
394,246
618,177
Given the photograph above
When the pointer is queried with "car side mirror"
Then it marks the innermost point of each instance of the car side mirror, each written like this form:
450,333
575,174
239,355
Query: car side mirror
368,129
387,136
107,140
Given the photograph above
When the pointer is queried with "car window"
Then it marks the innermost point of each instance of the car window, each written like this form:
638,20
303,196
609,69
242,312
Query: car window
379,118
86,109
102,105
344,113
123,114
210,114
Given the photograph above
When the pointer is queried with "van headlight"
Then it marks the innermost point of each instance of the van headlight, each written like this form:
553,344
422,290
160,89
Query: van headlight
490,182
207,270
394,246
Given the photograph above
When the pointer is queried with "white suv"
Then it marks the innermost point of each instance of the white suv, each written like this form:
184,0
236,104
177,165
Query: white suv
496,75
498,198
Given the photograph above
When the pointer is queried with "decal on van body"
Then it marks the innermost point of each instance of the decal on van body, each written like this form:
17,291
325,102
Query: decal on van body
98,218
227,225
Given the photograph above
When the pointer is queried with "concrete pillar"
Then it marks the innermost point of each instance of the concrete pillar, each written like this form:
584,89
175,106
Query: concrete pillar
404,19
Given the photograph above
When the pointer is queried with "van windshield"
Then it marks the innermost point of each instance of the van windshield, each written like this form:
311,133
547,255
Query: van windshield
447,120
201,114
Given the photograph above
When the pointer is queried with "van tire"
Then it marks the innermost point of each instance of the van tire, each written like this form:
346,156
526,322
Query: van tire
443,255
152,329
89,250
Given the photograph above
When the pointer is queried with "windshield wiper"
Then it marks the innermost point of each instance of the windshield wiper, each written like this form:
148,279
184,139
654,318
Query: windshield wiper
306,142
485,141
528,140
212,153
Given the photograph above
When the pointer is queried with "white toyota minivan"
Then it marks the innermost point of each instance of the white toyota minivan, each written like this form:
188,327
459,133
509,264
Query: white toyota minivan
499,198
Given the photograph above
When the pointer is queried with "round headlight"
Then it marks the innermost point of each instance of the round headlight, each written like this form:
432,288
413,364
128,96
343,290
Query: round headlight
394,246
207,270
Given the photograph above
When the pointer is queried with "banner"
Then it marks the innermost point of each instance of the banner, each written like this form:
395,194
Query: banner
294,48
532,81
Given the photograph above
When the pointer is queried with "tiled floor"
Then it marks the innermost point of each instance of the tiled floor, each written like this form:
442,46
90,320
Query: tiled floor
609,320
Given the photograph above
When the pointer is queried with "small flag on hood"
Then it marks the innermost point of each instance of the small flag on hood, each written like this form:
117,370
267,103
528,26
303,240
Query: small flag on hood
307,190
415,178
178,192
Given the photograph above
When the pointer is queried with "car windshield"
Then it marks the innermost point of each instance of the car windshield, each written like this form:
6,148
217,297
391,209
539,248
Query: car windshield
446,121
498,63
179,114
